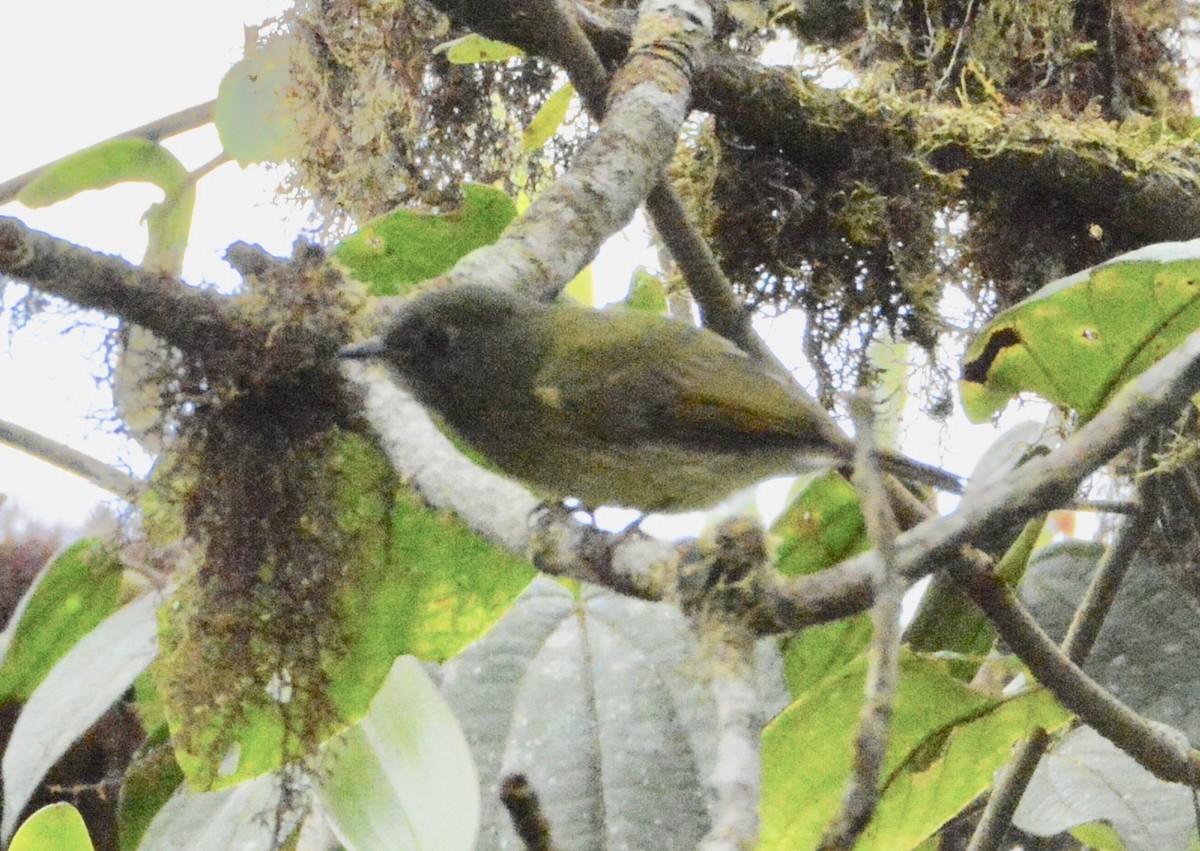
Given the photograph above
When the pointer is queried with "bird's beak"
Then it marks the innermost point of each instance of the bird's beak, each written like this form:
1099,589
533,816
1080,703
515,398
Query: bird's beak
372,348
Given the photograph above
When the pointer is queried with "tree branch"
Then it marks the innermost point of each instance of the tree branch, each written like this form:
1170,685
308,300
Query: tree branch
566,225
874,725
186,317
1152,399
73,461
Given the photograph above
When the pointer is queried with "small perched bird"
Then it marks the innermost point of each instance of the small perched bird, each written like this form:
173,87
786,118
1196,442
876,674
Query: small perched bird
615,407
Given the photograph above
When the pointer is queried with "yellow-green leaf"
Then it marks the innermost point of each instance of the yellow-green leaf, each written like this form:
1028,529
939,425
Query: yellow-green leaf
647,291
548,119
822,526
945,744
475,48
1079,339
405,247
104,165
71,595
55,827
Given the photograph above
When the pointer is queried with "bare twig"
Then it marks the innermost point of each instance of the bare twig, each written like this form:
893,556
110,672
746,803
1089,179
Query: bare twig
870,743
1110,573
1003,802
1105,506
1076,646
73,461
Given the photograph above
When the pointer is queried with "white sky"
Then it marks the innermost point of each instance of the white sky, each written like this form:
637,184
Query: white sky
78,76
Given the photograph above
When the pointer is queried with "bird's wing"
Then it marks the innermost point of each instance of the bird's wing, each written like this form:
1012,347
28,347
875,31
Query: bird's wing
667,382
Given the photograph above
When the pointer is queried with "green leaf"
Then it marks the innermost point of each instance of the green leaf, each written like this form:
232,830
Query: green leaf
66,600
104,165
76,692
1098,836
255,118
55,827
169,223
1081,338
822,526
647,292
548,119
415,581
122,161
404,247
403,777
461,583
150,782
946,741
475,48
582,288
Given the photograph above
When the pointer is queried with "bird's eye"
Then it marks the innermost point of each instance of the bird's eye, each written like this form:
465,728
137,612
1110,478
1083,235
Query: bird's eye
434,342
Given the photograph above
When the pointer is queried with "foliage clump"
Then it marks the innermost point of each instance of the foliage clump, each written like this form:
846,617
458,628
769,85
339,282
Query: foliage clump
397,123
976,146
260,472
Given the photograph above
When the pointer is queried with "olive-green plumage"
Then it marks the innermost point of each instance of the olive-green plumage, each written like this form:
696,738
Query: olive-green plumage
615,407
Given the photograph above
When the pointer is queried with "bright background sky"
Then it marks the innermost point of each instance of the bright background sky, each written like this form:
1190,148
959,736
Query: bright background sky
103,69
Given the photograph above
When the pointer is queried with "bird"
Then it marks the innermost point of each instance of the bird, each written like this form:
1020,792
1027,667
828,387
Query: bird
611,407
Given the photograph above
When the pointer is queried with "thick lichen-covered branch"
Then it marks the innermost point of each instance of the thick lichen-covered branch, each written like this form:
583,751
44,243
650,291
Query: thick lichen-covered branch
184,316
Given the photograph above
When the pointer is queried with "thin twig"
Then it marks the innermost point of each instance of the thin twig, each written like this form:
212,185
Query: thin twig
1109,574
1076,646
73,461
1003,802
1105,506
870,743
958,42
